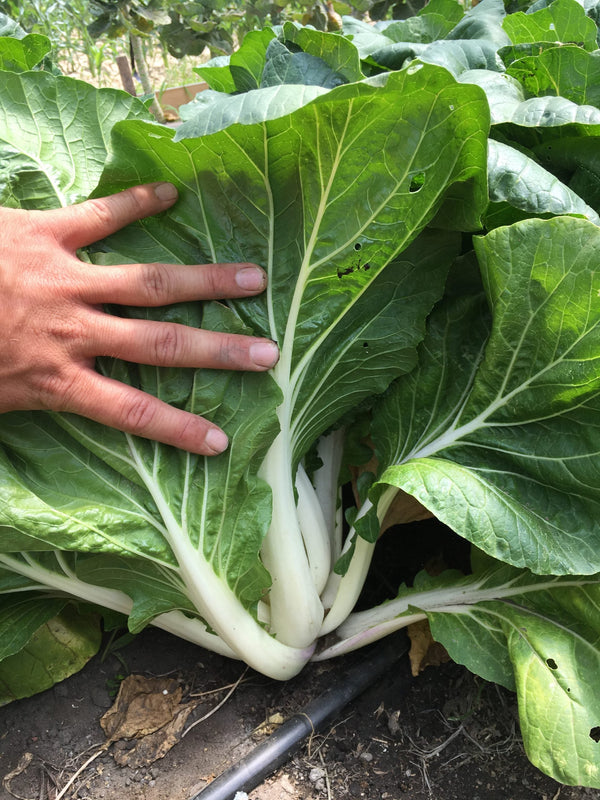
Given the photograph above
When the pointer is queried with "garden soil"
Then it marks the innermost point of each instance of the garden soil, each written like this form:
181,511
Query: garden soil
444,734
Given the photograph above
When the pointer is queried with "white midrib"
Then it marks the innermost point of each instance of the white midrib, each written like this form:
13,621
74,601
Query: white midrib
456,433
450,600
215,600
296,610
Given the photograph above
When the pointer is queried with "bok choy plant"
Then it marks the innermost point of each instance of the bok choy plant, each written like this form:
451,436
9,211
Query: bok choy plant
428,218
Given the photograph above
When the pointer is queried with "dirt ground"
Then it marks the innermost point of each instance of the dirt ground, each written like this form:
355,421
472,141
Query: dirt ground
443,735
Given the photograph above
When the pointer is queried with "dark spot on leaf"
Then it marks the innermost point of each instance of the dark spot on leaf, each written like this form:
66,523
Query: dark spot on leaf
595,733
416,182
366,267
551,663
357,246
365,344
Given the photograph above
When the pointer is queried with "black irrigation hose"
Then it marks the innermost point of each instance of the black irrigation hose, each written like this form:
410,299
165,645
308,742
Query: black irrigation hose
269,755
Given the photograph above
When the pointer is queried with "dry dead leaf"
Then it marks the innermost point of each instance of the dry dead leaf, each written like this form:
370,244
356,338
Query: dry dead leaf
267,727
149,712
424,650
153,746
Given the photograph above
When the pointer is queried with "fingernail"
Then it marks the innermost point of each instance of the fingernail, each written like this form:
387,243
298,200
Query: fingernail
165,191
264,354
250,279
216,440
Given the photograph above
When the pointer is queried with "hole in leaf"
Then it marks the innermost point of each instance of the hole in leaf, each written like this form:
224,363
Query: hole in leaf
595,733
416,182
357,246
551,663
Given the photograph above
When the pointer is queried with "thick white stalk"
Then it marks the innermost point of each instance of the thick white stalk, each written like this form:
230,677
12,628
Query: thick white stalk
296,610
68,583
350,643
350,585
315,533
218,604
330,450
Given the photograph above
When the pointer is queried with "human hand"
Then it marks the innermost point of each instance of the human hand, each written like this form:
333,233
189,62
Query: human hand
52,326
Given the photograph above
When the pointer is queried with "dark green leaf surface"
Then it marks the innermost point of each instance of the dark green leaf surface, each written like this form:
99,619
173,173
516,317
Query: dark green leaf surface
561,71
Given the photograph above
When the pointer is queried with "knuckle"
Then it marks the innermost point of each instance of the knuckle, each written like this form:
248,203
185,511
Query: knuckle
167,345
56,389
138,414
232,350
189,426
156,280
102,210
213,279
67,329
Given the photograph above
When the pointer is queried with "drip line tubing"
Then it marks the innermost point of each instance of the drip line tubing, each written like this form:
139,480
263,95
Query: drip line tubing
250,771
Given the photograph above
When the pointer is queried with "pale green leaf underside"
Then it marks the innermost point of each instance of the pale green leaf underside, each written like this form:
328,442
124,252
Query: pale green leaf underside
507,453
517,180
54,137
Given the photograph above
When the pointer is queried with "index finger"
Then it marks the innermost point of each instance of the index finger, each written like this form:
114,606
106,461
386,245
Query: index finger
131,410
84,223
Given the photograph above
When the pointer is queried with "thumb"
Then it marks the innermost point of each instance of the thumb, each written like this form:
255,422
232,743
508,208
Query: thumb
82,224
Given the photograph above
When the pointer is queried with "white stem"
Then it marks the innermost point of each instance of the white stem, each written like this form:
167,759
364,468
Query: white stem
350,585
315,533
218,604
174,621
368,636
296,610
330,450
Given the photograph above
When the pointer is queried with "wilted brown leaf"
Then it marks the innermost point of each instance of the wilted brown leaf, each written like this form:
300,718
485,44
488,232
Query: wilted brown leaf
424,651
149,711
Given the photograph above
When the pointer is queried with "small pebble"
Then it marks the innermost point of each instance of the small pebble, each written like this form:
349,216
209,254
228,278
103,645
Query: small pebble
316,774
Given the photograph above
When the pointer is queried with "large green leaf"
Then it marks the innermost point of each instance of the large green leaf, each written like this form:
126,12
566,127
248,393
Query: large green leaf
504,448
213,111
519,184
54,134
537,634
434,21
42,643
20,55
321,214
340,55
561,21
284,66
565,71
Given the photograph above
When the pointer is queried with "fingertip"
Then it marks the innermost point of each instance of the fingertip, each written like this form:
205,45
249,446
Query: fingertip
216,440
251,278
166,192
